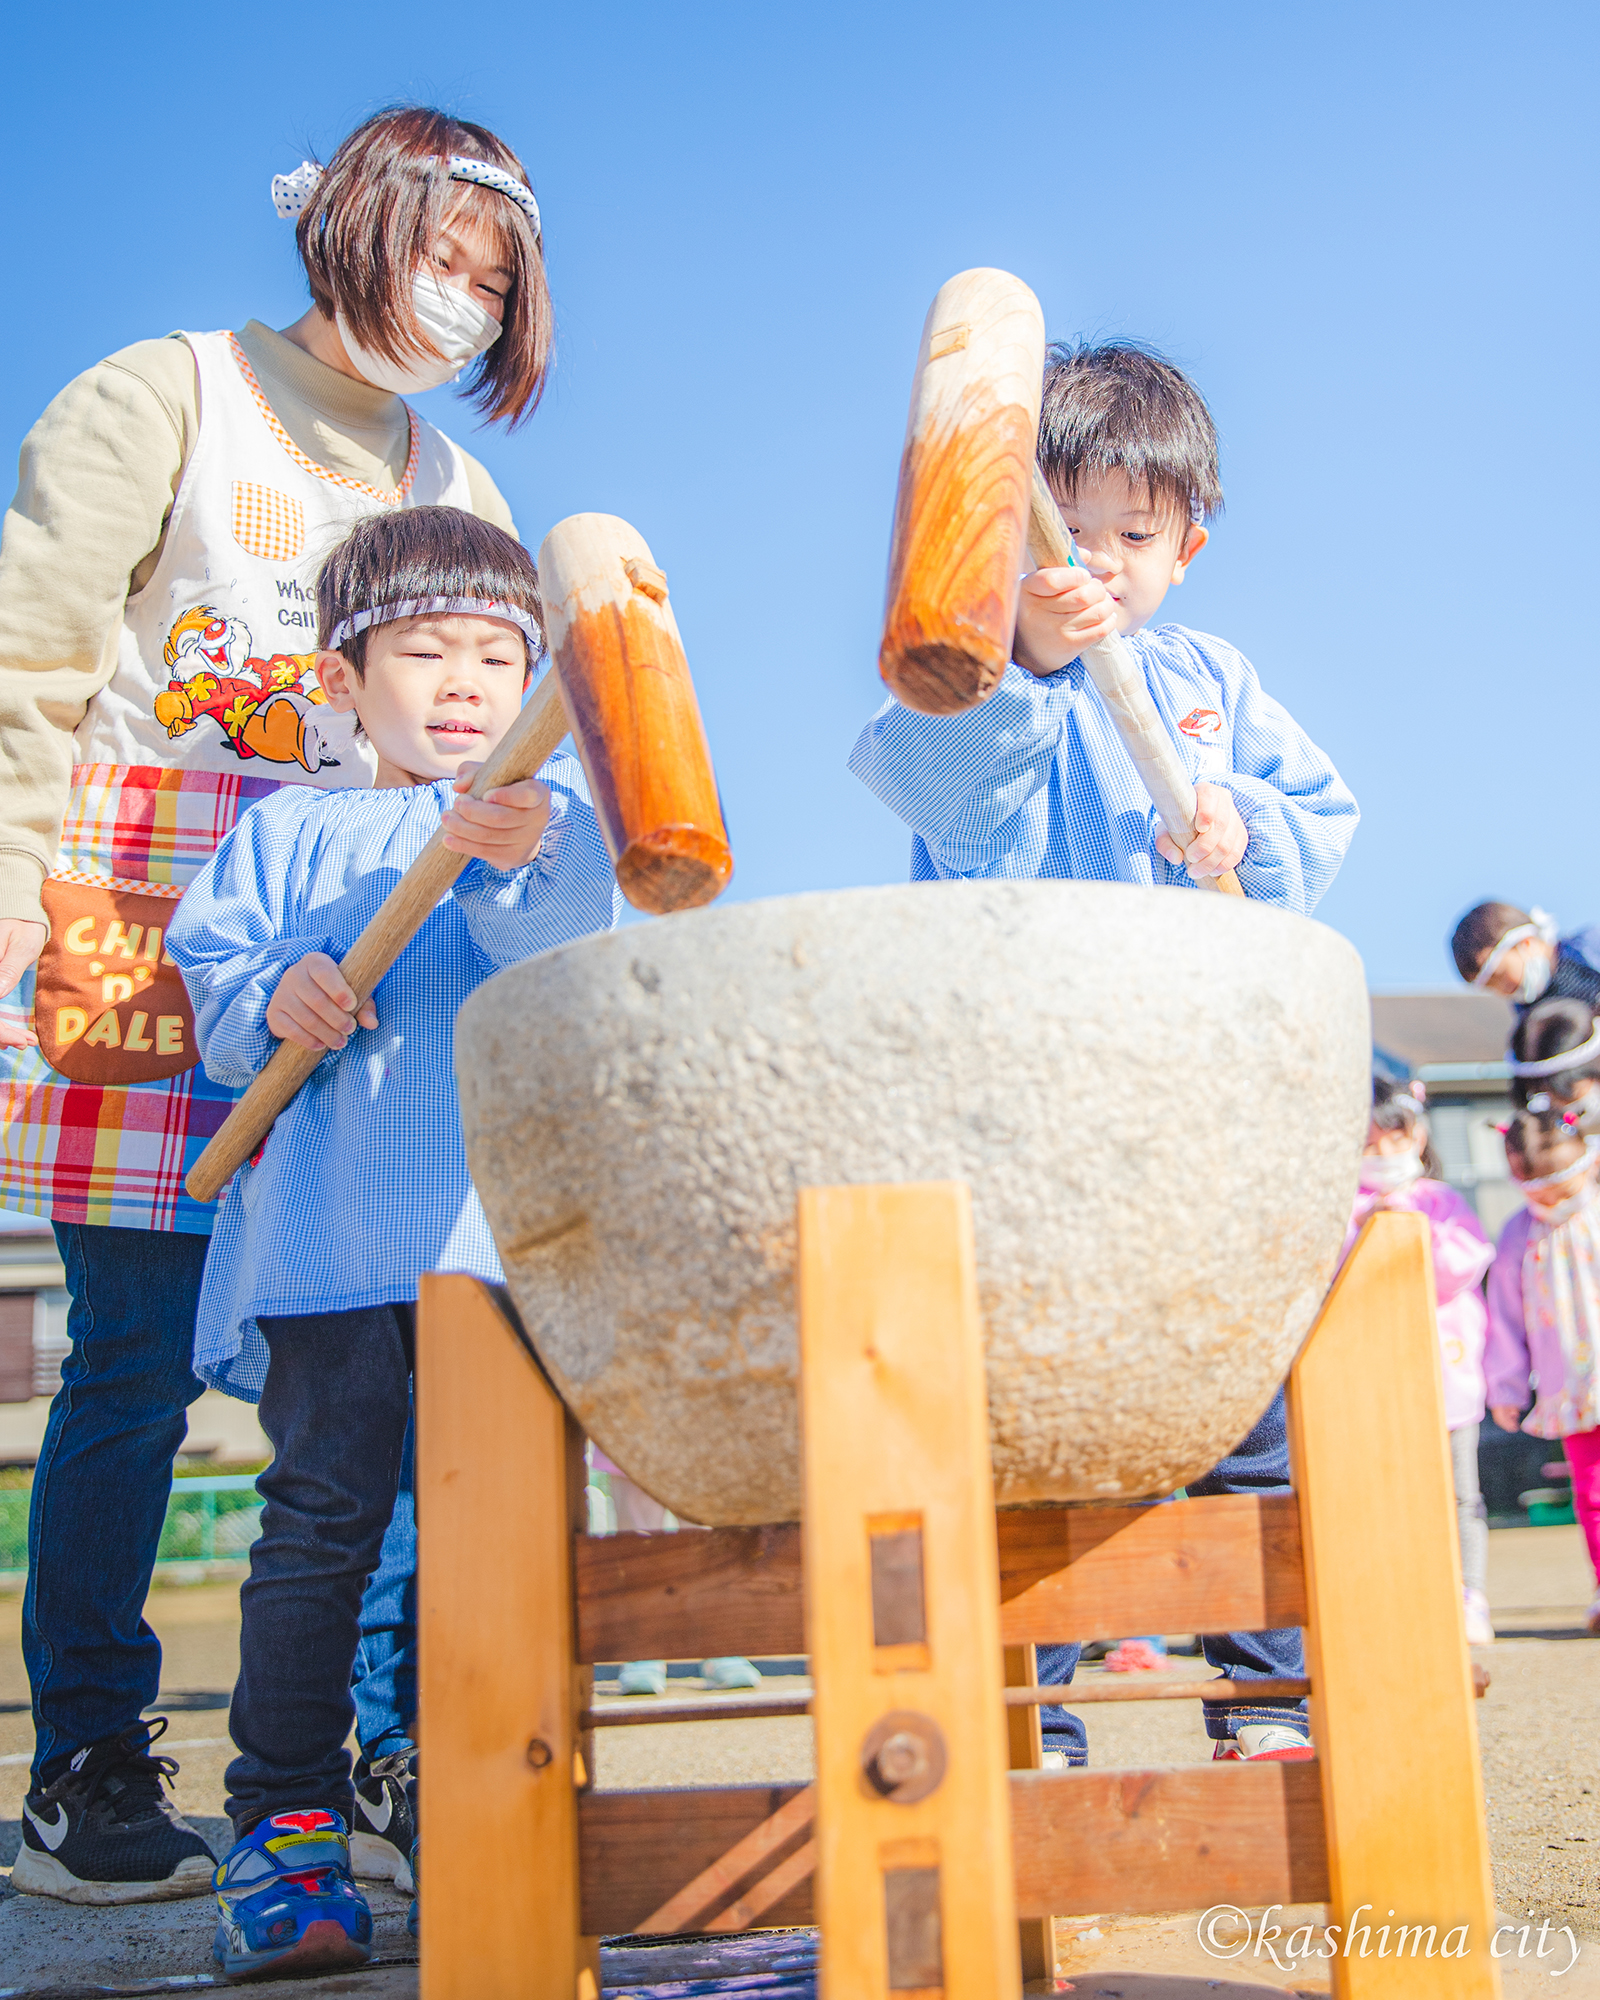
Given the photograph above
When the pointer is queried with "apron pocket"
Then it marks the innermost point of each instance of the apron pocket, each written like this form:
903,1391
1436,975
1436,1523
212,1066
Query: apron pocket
110,1006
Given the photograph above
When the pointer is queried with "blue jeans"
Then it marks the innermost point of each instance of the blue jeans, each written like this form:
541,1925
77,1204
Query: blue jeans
337,1406
101,1484
100,1495
1259,1465
384,1685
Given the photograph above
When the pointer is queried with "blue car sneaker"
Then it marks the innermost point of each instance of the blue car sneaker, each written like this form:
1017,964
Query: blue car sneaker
286,1901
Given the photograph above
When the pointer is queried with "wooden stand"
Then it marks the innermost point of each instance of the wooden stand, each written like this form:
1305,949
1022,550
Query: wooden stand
916,1614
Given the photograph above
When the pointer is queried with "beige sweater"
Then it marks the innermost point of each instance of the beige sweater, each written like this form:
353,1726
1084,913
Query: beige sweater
95,486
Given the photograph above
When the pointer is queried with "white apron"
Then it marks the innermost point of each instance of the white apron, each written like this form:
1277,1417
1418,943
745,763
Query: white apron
213,704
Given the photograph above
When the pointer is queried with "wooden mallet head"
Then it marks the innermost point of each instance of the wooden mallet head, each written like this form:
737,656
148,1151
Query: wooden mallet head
634,717
961,516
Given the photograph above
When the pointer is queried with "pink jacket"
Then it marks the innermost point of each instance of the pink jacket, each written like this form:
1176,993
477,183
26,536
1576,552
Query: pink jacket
1461,1255
1525,1342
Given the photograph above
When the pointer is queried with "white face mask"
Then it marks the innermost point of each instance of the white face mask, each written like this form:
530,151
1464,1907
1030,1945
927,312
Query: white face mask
1384,1173
1536,976
458,326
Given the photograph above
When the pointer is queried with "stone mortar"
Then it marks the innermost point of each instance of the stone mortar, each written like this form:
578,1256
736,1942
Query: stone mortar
1158,1098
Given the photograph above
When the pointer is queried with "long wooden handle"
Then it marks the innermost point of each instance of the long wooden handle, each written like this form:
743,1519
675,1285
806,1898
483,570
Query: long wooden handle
529,743
1121,686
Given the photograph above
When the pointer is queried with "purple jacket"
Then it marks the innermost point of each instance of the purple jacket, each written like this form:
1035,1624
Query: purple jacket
1461,1255
1553,1344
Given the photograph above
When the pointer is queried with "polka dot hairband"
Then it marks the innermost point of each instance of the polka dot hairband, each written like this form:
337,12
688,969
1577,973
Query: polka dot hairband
451,607
291,192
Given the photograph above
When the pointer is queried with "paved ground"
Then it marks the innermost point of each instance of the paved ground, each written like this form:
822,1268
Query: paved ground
1539,1725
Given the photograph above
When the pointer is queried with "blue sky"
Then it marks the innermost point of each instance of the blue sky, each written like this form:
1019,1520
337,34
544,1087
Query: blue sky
1366,231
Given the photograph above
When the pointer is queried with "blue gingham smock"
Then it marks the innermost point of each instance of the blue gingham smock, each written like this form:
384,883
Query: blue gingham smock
363,1185
1034,782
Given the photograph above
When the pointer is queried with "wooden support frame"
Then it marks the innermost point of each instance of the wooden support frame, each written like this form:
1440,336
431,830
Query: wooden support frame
1036,1936
1405,1826
1228,1563
914,1877
516,1602
499,1486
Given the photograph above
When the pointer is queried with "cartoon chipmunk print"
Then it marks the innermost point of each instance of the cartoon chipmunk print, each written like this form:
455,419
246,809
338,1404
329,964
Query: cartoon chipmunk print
272,708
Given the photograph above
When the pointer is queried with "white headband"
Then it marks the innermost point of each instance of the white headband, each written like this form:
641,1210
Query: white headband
433,607
1558,1065
291,192
1543,925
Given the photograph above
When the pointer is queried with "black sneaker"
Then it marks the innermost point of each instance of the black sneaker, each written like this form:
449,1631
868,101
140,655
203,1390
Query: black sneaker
383,1826
104,1832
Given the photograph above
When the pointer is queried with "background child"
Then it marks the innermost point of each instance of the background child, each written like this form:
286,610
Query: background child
362,1186
1554,1060
1518,954
1544,1309
638,1514
1035,782
1399,1170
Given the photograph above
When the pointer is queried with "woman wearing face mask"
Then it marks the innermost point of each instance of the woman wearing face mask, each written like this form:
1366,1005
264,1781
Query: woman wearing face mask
1519,954
1398,1170
1544,1308
157,641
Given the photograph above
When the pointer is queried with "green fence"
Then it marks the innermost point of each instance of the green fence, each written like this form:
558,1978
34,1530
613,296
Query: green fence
213,1518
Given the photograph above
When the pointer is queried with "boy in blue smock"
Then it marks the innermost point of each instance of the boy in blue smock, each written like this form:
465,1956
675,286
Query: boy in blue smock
429,626
1035,783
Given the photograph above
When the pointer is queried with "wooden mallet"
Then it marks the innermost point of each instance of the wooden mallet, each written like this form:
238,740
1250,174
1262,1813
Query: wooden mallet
971,505
620,683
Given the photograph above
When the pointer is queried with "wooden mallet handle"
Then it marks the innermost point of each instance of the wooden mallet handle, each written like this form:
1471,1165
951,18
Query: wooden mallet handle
1121,686
529,743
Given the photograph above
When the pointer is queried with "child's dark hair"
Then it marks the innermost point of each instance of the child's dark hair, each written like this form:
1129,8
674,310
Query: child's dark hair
422,552
1547,1030
1121,407
374,217
1533,1138
1479,931
1398,1107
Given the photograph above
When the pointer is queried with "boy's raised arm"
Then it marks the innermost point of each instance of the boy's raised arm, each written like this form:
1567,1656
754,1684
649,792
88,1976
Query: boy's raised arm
963,783
567,890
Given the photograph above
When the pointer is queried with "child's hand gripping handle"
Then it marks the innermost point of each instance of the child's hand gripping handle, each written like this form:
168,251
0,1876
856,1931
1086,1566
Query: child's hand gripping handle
1121,686
529,743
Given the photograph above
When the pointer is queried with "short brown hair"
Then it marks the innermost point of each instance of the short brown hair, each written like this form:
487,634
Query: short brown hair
374,217
1121,407
1479,931
421,552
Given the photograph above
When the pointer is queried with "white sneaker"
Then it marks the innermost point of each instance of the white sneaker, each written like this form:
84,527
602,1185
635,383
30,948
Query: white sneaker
1265,1743
1480,1626
1592,1622
730,1672
642,1677
1055,1760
